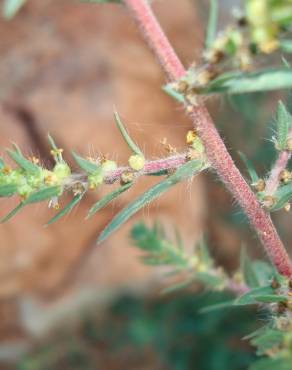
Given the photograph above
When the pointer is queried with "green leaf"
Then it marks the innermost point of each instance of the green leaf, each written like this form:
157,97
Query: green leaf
282,195
43,194
84,164
270,298
74,201
2,164
181,285
12,213
218,306
238,82
263,271
286,46
246,268
135,149
158,173
283,121
250,296
272,364
185,171
210,280
249,166
7,190
11,7
172,93
203,252
267,340
212,23
23,162
107,199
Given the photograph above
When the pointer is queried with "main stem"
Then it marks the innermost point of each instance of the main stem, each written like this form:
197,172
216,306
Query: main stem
216,151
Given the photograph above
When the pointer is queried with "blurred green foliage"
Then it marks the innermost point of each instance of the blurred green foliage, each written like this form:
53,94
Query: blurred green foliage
162,333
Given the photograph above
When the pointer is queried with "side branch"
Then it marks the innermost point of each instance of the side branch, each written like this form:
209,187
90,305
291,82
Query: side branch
216,151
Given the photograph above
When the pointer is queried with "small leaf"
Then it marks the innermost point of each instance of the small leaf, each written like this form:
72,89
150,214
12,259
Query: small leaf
249,166
282,196
250,296
135,149
11,7
271,363
283,121
84,164
217,306
210,280
270,298
185,171
212,23
203,252
172,93
107,199
263,271
74,201
267,340
246,268
43,194
23,162
181,285
12,213
7,190
238,82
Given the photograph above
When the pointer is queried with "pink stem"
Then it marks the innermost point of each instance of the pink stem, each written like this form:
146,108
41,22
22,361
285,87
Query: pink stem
280,165
168,163
216,151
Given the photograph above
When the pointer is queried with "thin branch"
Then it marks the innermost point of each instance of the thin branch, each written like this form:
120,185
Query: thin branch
274,179
216,151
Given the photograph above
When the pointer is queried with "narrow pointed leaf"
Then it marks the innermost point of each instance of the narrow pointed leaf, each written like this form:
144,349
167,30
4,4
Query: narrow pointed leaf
182,173
173,94
270,298
7,190
23,162
212,23
283,121
11,7
52,142
126,136
84,164
249,166
74,201
246,268
217,306
251,296
2,164
12,213
107,199
43,194
238,83
282,195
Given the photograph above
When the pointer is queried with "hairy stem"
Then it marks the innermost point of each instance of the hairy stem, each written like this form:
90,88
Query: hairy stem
280,165
216,151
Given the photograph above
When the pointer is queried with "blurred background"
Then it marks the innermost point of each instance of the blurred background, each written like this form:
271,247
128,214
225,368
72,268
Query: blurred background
64,302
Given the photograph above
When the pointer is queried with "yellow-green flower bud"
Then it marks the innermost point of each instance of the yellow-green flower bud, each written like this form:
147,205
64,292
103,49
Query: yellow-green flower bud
108,166
197,145
94,180
136,162
62,170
